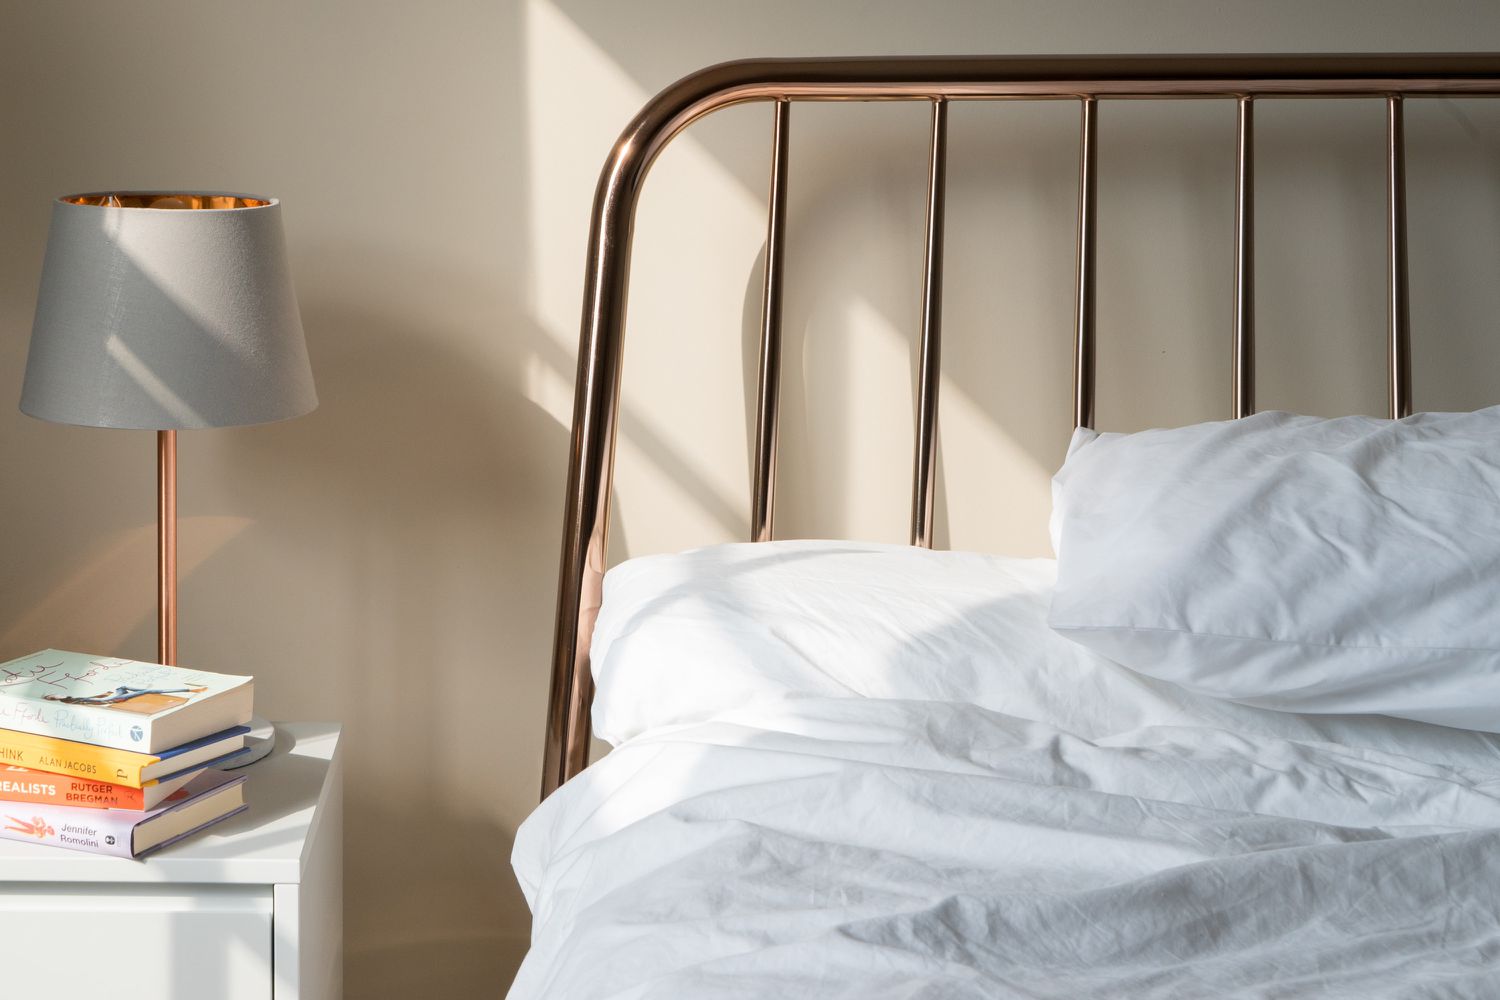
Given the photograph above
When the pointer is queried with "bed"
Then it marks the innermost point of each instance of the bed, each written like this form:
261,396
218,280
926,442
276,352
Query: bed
1191,757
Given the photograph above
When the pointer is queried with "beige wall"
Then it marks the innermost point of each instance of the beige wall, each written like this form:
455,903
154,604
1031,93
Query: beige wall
389,561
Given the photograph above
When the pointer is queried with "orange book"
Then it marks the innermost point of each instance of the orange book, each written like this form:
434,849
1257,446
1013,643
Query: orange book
22,784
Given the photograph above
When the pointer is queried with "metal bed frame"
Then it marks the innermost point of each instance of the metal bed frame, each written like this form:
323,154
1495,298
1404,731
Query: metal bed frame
1244,79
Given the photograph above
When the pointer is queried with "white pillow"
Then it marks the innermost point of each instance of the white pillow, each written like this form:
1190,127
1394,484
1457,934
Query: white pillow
1297,563
682,638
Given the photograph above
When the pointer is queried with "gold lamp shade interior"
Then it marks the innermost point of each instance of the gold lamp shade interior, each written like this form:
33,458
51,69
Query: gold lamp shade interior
156,199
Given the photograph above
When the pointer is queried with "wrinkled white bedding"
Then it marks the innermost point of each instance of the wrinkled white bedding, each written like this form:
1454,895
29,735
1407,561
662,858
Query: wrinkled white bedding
859,847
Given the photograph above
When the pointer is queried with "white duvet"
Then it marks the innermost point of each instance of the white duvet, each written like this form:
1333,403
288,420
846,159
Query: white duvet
861,848
806,845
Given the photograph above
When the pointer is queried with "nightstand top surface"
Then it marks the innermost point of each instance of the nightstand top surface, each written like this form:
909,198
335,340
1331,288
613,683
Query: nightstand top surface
263,845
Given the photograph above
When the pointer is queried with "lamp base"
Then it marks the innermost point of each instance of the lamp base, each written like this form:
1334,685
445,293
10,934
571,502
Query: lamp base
261,741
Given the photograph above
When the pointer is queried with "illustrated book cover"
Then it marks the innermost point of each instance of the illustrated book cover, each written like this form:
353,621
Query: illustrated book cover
124,704
207,799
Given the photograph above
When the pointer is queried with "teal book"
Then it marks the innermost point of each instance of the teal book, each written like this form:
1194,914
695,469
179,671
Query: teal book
123,704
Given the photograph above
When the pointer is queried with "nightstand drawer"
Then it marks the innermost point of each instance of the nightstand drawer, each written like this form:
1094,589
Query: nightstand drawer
136,942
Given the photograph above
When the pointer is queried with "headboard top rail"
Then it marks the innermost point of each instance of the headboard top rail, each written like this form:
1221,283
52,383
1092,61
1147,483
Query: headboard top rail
988,77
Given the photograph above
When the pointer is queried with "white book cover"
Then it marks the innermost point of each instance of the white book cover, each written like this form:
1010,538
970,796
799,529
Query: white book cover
111,702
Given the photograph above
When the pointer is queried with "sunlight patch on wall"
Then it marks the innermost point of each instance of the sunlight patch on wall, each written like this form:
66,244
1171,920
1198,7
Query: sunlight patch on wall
106,596
577,95
550,389
682,465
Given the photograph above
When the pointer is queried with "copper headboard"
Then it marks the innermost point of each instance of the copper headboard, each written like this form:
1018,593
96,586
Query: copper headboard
937,80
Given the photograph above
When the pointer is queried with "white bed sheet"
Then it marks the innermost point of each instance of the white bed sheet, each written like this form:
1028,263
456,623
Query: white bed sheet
857,847
850,770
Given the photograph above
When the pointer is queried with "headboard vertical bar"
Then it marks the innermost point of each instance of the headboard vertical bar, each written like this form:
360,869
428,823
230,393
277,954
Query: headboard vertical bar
1242,397
932,332
1088,191
1398,306
768,402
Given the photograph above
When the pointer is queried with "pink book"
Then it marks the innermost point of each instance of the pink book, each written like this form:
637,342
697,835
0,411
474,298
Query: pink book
127,833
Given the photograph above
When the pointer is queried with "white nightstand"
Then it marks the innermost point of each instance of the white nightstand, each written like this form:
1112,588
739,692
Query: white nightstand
252,907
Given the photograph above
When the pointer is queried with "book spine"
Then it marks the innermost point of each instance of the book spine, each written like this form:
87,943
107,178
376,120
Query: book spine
80,760
83,723
21,784
97,831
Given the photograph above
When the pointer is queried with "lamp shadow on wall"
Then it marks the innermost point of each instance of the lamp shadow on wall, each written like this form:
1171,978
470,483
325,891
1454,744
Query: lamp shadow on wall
418,476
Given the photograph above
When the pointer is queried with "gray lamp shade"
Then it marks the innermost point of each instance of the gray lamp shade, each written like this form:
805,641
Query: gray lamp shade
165,311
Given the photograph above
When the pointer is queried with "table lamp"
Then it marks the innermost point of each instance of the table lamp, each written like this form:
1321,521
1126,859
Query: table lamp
166,311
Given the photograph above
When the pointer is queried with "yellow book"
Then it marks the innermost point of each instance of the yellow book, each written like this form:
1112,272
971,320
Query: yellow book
120,767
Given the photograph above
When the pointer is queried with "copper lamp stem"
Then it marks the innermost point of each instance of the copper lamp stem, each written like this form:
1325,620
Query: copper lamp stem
166,538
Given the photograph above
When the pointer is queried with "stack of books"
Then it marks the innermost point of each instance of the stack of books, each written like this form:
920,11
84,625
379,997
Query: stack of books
117,756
